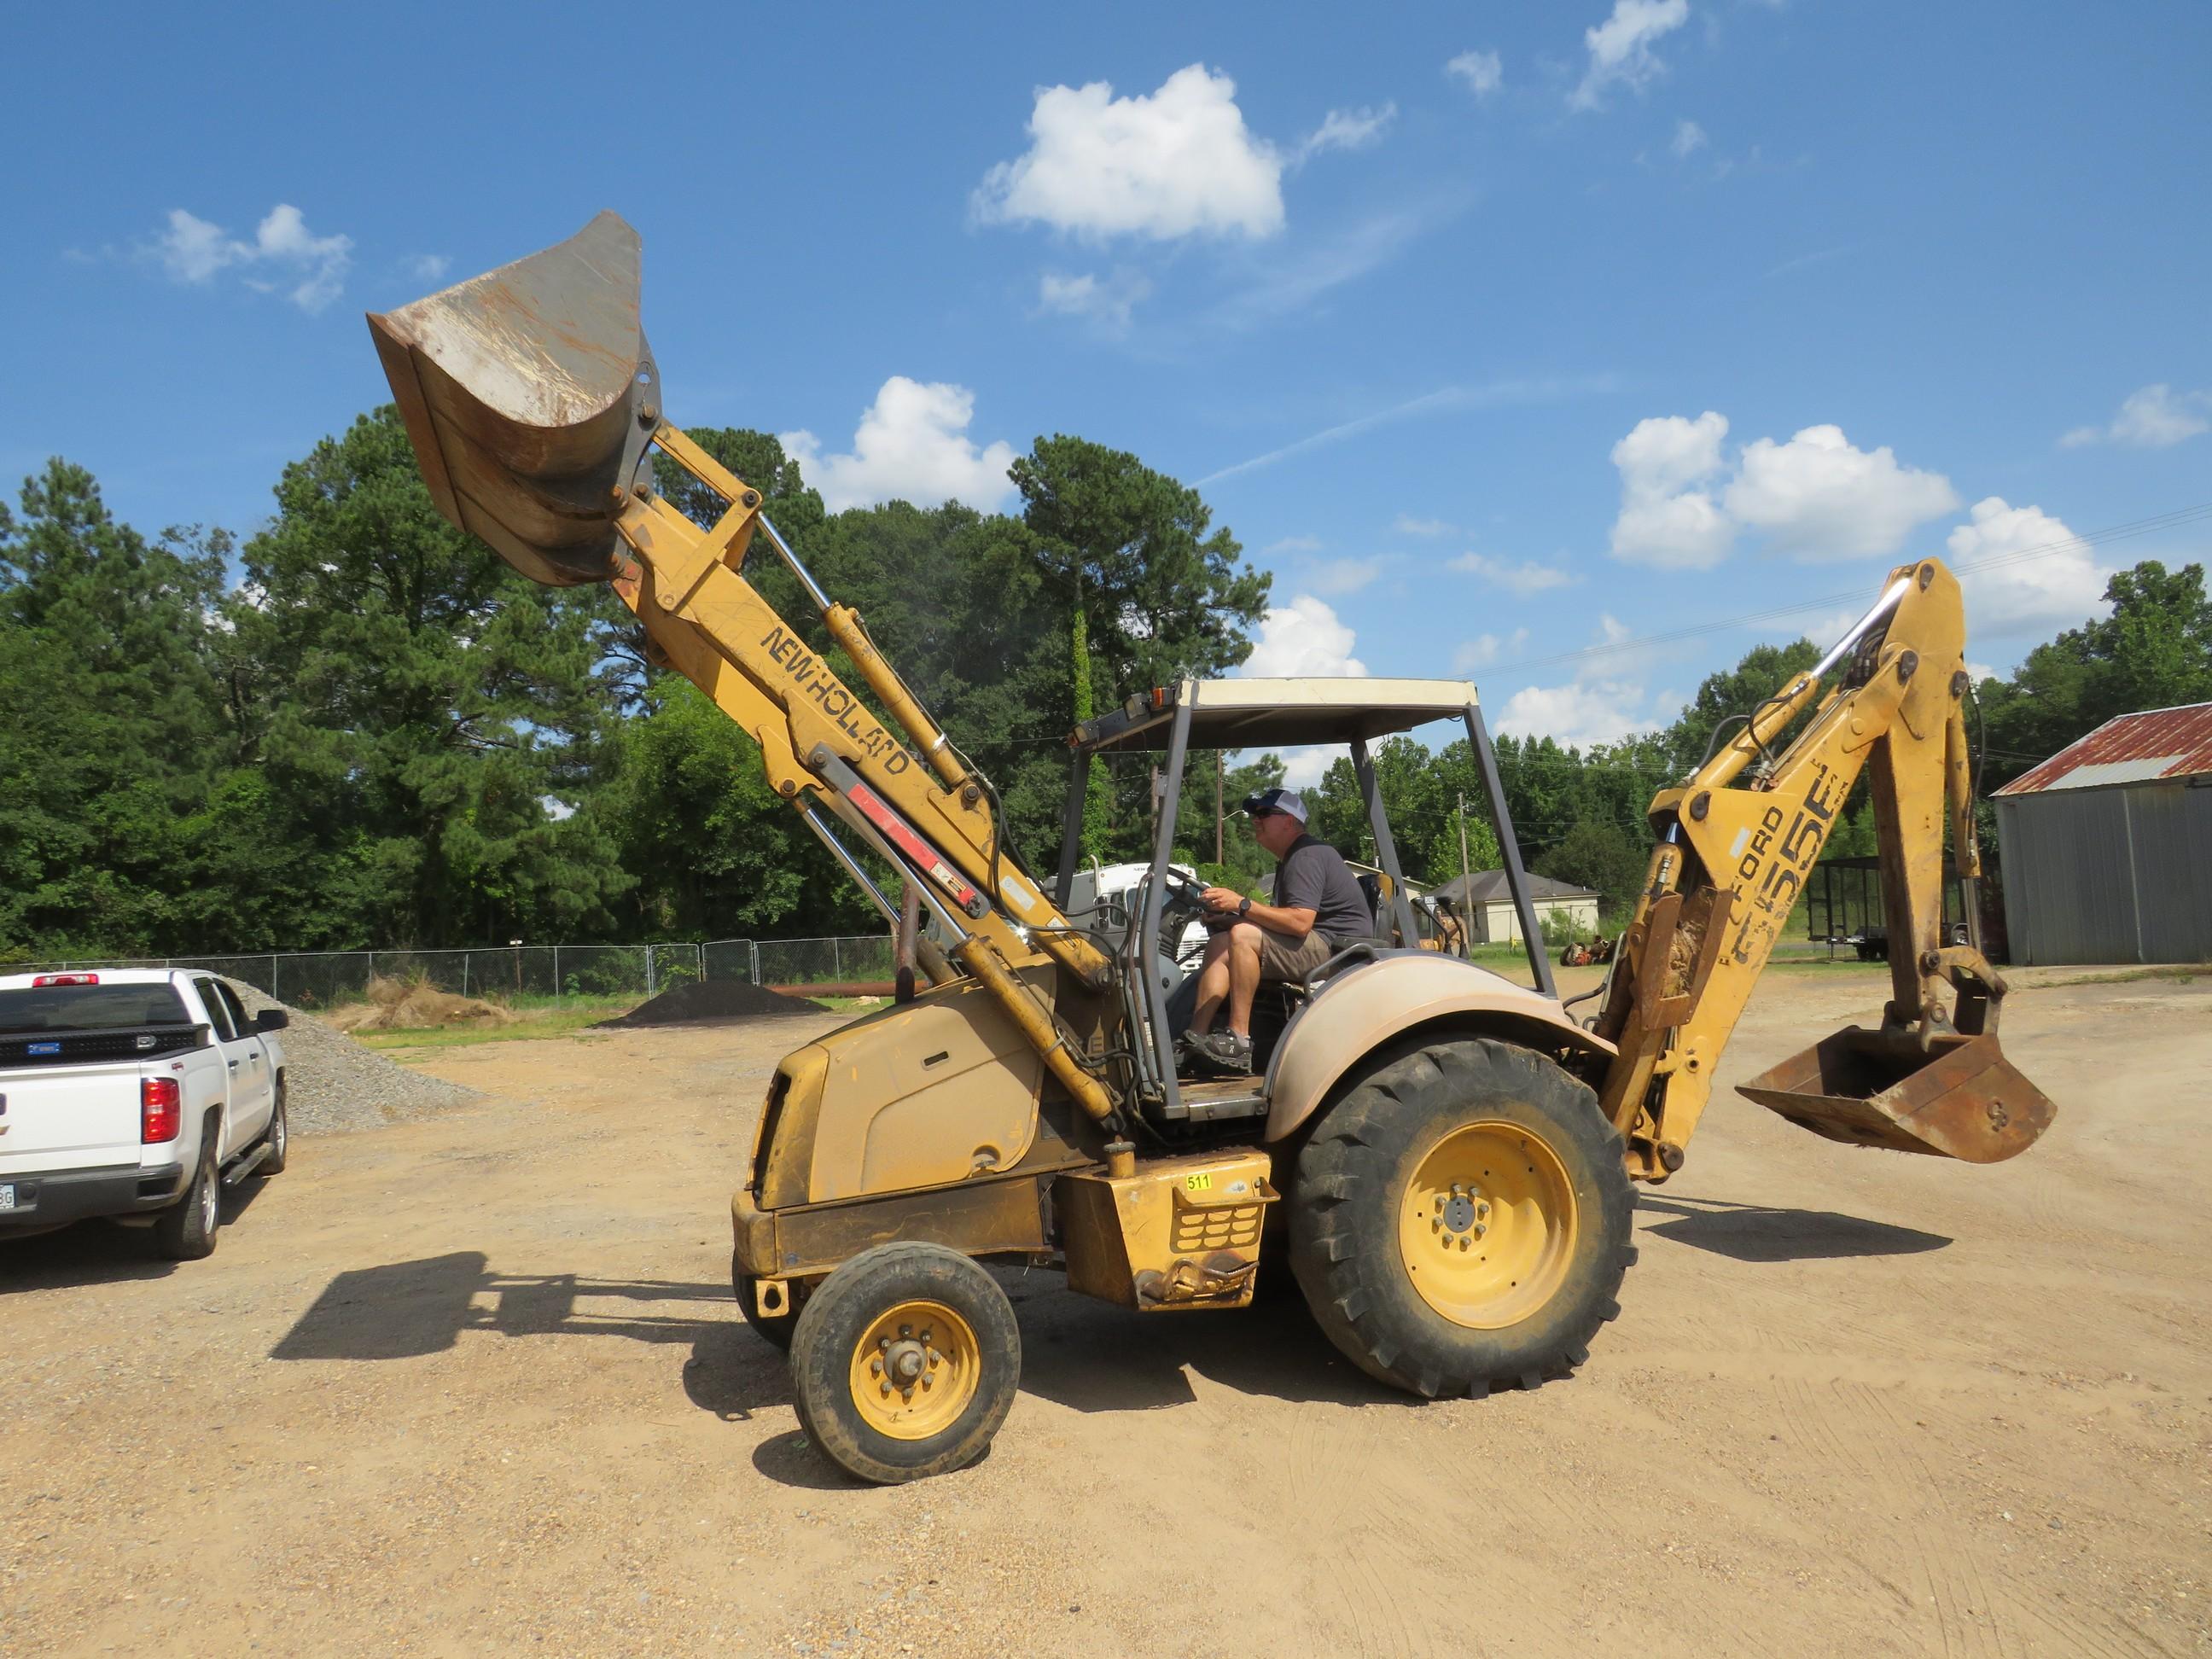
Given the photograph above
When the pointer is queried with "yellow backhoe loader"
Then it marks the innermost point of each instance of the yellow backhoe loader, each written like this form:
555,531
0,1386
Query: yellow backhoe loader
1447,1156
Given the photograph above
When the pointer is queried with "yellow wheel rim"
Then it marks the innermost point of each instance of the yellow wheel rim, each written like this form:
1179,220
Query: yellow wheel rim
915,1370
1488,1224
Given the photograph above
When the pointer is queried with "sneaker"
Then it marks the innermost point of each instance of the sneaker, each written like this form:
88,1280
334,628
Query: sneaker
1224,1054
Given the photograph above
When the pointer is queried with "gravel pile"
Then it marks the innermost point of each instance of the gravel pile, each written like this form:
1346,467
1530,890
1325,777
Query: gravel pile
332,1084
710,999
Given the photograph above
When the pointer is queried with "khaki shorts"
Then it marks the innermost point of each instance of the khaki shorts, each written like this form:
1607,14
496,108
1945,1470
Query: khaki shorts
1282,957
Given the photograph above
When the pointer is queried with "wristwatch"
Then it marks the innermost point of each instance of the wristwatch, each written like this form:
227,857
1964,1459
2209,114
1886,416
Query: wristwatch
1243,905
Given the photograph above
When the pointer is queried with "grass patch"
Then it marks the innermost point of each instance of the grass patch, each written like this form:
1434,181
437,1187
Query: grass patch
548,1018
2179,972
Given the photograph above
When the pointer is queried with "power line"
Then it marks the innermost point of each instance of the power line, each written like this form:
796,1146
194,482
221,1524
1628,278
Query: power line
2173,520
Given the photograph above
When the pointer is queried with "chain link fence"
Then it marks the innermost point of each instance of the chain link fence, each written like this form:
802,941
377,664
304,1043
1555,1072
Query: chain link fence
317,979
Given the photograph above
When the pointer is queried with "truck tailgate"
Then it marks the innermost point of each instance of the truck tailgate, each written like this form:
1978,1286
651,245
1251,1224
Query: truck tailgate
68,1117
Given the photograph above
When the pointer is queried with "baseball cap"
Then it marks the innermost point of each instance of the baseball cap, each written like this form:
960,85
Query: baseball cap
1287,801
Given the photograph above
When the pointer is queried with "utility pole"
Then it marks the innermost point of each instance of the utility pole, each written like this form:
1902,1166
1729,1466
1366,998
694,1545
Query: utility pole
1217,806
1466,887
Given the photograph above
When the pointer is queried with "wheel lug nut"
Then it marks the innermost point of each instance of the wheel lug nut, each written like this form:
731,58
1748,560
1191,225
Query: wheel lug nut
886,1343
926,1382
875,1366
925,1338
906,1330
887,1389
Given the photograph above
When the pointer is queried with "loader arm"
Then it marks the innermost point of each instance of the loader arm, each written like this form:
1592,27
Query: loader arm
532,401
1731,863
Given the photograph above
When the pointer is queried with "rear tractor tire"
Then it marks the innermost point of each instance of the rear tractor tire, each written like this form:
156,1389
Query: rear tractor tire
1461,1219
903,1362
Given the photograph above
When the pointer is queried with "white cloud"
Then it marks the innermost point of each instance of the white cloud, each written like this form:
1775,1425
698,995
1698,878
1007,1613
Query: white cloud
1818,497
193,250
1293,545
2024,572
912,444
1407,524
1524,579
1577,714
1689,137
1483,72
1340,576
1484,649
1303,637
1175,163
1605,701
1663,520
2155,417
1345,129
1814,497
1620,47
1303,768
428,267
1109,301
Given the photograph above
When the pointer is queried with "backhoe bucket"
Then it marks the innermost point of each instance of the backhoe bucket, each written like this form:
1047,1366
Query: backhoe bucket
1959,1098
528,394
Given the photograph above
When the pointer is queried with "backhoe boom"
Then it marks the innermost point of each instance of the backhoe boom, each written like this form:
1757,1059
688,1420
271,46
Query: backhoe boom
1731,863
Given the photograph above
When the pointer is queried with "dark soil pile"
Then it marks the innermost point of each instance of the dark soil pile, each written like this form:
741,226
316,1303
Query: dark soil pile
707,999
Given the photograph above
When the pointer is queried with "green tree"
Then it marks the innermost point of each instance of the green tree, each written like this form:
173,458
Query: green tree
1599,855
2153,651
118,725
421,712
1166,594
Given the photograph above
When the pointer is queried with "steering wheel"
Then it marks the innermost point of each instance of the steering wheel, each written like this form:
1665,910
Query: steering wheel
1183,892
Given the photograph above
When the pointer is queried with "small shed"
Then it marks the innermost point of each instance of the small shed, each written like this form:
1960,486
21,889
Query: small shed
2107,847
1485,899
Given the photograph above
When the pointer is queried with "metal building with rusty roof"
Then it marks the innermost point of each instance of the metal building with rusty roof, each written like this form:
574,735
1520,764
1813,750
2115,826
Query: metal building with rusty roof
2107,847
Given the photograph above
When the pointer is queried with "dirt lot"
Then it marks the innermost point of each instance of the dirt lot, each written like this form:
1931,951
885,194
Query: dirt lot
474,1383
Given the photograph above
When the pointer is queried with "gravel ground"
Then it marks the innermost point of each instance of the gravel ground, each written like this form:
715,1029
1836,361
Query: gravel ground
473,1384
333,1084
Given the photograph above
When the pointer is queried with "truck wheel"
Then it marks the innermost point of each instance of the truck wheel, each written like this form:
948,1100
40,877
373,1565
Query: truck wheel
773,1328
1461,1219
277,1136
186,1230
903,1362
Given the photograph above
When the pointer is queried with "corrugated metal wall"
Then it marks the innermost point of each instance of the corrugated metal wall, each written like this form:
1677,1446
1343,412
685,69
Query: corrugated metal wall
2108,875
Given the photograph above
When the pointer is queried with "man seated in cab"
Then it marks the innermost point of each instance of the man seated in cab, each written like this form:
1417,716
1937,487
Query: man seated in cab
1318,909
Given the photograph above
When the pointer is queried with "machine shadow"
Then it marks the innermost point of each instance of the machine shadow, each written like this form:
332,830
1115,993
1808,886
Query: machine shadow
1755,1233
1092,1357
407,1310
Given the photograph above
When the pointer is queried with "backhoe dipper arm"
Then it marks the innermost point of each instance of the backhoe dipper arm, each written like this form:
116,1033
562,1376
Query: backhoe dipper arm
1730,865
532,401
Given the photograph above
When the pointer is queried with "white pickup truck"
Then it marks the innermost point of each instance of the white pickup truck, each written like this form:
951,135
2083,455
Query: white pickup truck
138,1095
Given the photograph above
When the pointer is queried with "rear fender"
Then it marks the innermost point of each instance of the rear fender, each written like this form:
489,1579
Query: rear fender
1363,1009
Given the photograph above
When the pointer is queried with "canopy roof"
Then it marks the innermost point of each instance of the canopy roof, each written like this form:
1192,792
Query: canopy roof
1279,712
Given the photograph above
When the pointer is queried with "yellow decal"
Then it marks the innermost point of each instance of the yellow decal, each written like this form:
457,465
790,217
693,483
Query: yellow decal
1199,1183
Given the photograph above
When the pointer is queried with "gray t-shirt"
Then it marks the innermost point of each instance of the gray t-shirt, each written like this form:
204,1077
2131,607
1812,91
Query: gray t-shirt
1312,876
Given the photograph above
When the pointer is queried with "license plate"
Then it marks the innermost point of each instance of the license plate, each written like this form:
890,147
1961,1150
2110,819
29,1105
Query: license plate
6,1196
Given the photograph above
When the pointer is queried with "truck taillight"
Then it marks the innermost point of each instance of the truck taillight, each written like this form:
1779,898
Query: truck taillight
44,980
161,1109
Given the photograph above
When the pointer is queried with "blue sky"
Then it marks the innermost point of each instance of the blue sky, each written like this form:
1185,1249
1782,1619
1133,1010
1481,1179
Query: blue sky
1498,333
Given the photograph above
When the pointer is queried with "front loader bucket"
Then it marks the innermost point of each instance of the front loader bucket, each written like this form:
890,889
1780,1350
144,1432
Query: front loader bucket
528,394
1959,1098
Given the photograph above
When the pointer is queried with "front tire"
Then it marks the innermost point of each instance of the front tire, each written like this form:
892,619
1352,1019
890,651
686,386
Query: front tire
1461,1219
904,1362
186,1230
